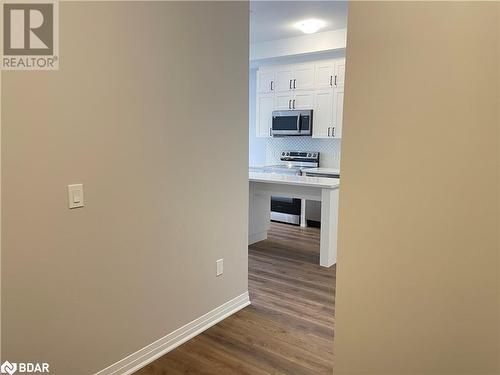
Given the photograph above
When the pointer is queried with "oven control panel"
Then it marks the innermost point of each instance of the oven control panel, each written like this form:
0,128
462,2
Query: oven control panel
312,156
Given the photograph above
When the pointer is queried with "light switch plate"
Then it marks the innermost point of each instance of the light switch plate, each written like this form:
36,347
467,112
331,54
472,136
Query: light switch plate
220,267
75,196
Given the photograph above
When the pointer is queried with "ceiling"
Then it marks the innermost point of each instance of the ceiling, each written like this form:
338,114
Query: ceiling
270,20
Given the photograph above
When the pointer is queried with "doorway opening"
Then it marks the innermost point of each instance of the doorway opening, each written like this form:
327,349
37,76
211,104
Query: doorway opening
296,93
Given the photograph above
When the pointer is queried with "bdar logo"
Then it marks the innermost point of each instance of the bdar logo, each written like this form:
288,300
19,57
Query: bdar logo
28,29
8,368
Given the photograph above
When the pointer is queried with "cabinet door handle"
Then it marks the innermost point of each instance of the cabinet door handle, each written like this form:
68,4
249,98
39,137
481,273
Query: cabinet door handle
290,84
289,103
333,131
331,80
335,80
270,132
271,85
328,131
293,103
294,83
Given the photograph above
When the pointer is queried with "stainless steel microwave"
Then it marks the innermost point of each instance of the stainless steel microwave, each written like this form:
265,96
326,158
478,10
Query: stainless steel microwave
286,123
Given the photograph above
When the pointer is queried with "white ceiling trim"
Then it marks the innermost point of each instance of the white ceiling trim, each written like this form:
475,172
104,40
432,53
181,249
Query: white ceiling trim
300,45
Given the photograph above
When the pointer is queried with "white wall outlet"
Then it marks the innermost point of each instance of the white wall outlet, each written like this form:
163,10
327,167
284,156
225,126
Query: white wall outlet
75,196
220,267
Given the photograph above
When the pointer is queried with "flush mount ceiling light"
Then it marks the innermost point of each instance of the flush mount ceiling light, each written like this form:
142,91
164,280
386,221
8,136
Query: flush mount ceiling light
310,26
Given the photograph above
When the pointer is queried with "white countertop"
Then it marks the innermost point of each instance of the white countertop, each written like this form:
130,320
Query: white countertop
322,170
284,179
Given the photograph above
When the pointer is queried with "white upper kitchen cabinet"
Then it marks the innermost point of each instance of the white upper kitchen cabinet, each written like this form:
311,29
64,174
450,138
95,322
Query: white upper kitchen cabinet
265,81
294,77
324,73
294,100
323,113
284,79
339,73
264,115
303,77
317,85
329,73
338,104
303,100
283,101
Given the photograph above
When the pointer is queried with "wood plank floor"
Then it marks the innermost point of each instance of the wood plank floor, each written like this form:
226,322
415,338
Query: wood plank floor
289,327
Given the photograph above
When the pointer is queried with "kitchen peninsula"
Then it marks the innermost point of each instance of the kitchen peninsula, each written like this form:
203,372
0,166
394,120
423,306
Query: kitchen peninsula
325,190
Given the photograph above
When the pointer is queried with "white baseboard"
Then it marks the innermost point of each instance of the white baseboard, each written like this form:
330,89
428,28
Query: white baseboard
257,237
153,351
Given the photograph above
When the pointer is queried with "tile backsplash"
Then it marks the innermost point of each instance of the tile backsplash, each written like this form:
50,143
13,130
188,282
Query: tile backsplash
329,149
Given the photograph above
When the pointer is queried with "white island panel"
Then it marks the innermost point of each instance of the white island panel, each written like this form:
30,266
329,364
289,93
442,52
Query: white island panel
264,185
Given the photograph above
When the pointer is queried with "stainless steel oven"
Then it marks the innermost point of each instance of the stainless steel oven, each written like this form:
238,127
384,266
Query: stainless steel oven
289,209
287,123
286,209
